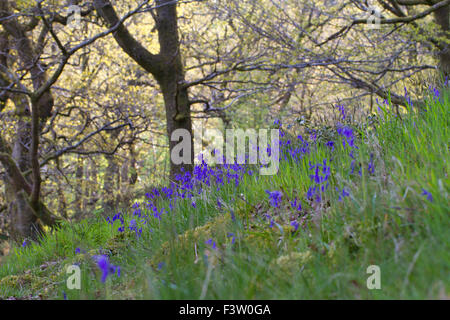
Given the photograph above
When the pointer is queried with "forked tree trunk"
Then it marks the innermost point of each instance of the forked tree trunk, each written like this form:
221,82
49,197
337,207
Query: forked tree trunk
25,205
166,67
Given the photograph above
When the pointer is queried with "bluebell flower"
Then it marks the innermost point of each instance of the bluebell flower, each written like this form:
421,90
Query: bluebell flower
437,94
427,194
106,268
352,167
231,235
233,217
296,205
311,192
211,243
330,144
343,194
295,224
275,197
408,98
342,110
371,165
161,265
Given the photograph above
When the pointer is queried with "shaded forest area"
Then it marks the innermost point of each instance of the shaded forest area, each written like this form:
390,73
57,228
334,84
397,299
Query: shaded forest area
91,91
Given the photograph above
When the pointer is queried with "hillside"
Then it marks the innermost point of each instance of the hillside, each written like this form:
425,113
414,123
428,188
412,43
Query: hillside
344,198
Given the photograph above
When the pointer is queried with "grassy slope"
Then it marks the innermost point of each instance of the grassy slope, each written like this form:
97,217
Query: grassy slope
386,221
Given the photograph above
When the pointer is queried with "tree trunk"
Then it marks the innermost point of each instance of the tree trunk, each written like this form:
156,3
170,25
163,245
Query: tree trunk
178,117
86,186
442,17
24,222
176,100
94,194
133,170
25,207
166,67
109,187
77,207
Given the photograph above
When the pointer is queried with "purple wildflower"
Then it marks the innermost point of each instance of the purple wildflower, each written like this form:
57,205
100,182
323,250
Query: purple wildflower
296,205
231,235
342,110
330,144
343,194
275,197
427,194
211,243
106,268
295,224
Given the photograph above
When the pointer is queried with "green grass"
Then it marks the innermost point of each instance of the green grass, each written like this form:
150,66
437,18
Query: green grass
386,221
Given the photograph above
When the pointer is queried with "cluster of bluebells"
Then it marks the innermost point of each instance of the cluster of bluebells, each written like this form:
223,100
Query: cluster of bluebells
342,194
348,140
436,94
117,217
294,150
342,111
408,98
211,243
187,186
275,198
134,224
320,180
348,136
296,205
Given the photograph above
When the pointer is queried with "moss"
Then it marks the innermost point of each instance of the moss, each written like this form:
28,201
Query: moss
292,261
117,244
215,229
30,282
